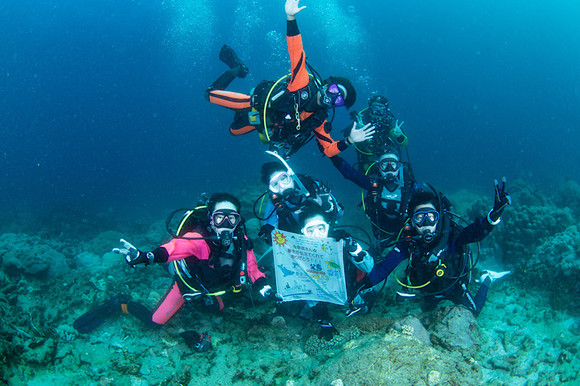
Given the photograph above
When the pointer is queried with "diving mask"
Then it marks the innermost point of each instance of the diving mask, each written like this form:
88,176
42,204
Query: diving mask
333,96
280,182
423,218
225,218
378,110
315,229
389,164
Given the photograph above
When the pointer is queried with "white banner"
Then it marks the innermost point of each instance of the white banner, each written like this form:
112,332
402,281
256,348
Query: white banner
308,269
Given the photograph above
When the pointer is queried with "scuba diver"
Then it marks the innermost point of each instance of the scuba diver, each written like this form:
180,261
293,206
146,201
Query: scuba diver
439,260
209,257
287,114
288,195
386,194
387,129
316,223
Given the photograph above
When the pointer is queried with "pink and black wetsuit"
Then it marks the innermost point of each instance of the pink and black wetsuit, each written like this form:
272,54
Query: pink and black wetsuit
194,254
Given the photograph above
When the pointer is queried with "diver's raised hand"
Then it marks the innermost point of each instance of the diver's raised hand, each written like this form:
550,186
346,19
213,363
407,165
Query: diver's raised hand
360,135
397,131
292,8
501,200
133,256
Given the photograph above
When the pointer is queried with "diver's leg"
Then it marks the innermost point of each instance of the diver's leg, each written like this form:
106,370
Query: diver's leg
97,316
169,306
229,99
480,297
229,57
237,70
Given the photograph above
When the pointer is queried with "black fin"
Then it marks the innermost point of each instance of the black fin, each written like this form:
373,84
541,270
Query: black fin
191,338
229,57
97,316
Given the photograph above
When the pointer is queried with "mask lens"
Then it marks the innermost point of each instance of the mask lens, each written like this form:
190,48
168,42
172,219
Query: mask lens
280,182
426,218
333,96
389,165
225,218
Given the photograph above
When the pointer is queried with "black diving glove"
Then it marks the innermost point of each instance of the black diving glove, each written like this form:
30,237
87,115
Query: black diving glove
133,256
349,244
263,288
362,303
327,330
502,199
266,233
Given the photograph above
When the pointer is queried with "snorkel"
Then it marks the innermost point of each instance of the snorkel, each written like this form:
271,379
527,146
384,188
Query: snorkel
293,175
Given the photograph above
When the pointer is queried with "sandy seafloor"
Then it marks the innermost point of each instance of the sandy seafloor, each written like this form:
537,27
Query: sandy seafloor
528,332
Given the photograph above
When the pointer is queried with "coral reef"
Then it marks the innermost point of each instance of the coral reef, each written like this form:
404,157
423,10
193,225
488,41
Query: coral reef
527,333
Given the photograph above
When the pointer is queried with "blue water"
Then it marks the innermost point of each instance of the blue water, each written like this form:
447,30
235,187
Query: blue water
101,101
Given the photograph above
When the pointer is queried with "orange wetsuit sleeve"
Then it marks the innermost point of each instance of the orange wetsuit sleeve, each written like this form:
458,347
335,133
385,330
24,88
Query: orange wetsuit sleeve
299,75
327,145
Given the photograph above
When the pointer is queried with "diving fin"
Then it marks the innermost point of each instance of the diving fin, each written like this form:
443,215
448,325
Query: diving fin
229,57
97,316
197,342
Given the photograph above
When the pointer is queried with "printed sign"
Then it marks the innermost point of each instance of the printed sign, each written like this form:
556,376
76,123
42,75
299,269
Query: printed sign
308,268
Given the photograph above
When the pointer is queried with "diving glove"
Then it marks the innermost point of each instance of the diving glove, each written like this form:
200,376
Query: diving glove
263,288
327,330
266,233
502,199
362,303
133,256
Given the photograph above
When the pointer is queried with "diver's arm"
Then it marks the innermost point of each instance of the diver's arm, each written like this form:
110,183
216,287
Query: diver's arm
474,232
327,145
482,226
299,74
351,174
180,248
385,267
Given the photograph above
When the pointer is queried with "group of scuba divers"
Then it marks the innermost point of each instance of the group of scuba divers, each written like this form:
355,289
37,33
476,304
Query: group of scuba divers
211,255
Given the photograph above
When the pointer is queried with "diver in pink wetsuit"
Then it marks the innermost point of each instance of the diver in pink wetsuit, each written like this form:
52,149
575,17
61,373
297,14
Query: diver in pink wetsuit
213,258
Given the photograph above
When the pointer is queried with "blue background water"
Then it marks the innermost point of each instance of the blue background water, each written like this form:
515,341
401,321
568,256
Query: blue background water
101,101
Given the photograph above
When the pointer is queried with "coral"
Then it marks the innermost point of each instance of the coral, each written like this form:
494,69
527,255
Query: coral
526,228
315,345
556,262
413,327
568,195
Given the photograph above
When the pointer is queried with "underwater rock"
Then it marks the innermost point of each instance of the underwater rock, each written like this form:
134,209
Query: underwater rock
87,260
278,322
31,255
42,352
397,359
413,327
456,328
